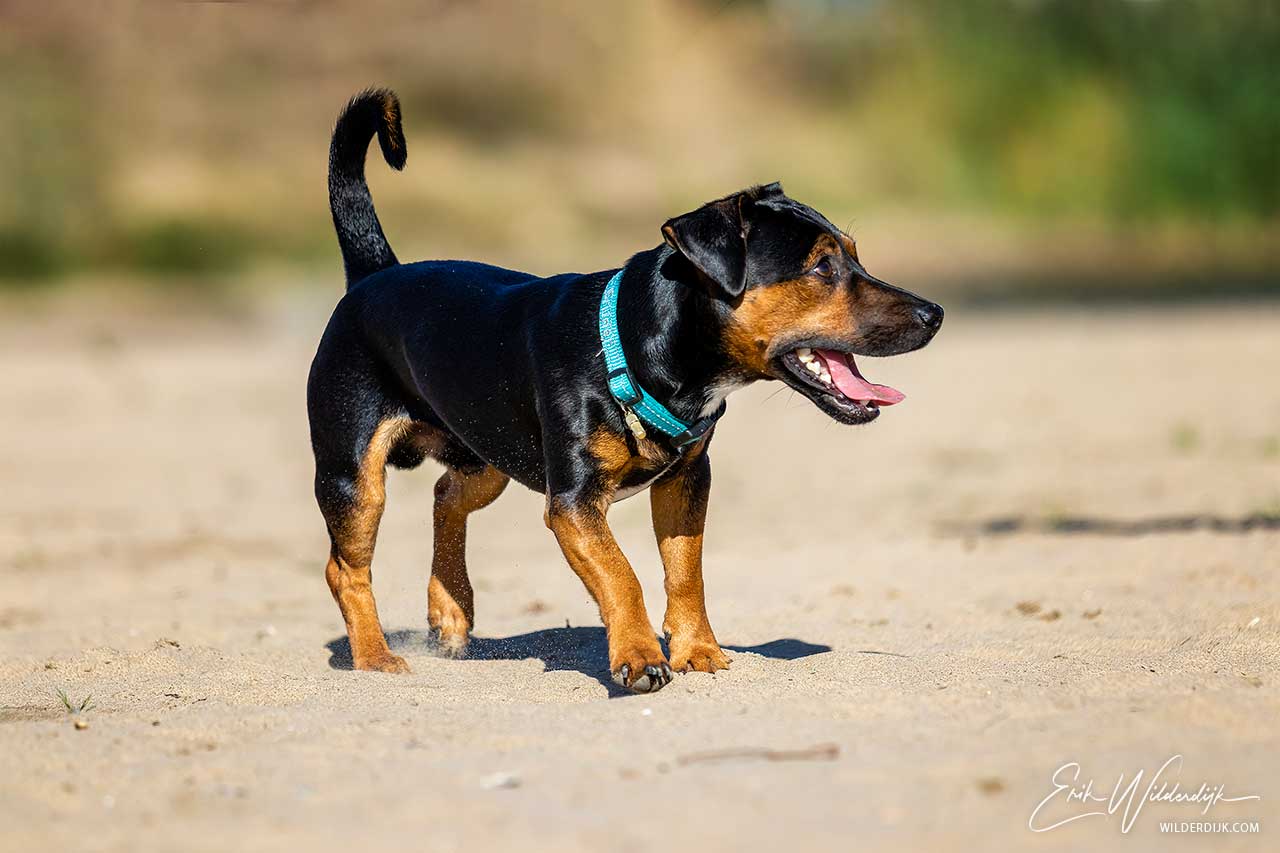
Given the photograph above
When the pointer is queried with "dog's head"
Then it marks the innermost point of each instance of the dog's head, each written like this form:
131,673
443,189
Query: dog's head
800,304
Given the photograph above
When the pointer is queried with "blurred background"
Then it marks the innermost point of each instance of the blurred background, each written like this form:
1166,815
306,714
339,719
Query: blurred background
996,149
1063,546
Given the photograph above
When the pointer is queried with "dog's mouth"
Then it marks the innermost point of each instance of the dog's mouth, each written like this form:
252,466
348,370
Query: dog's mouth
831,379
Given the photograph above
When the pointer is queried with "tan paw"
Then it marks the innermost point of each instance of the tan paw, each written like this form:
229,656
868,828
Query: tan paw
449,625
698,656
382,662
451,644
640,670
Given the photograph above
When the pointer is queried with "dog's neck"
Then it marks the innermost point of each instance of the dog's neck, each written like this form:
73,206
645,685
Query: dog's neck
670,330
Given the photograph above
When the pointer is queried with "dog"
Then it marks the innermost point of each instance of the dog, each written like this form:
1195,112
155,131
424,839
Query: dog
587,388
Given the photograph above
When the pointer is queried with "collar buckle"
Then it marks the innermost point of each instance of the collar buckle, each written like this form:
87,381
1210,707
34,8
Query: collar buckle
697,429
627,394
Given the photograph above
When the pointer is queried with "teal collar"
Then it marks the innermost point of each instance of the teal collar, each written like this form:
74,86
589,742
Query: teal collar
638,406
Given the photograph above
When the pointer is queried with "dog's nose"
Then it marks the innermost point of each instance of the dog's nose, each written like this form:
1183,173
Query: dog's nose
930,316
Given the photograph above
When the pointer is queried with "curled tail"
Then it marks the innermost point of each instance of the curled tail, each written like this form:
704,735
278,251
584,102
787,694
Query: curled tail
364,247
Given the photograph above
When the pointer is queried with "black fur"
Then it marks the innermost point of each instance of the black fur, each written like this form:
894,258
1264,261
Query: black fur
364,247
504,368
507,363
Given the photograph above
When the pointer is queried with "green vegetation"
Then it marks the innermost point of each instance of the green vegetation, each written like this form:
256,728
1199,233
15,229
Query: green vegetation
83,706
191,143
1100,108
178,246
1185,438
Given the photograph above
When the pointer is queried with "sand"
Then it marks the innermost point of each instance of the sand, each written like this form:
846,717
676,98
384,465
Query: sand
1062,547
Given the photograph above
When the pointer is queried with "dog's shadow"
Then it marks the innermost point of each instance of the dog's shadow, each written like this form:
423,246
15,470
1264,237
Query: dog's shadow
583,650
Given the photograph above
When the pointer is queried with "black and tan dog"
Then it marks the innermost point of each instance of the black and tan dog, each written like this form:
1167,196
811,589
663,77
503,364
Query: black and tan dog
500,375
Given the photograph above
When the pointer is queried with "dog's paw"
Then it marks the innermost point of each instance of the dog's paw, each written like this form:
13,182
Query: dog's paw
449,623
641,669
382,662
699,656
450,644
652,677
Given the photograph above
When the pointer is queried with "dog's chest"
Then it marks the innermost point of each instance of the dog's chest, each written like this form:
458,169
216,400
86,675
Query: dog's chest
643,468
626,490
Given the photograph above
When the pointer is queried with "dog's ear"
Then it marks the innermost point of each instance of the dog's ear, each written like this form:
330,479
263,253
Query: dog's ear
768,191
714,239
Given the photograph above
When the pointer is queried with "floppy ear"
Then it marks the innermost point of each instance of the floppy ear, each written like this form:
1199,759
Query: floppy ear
714,239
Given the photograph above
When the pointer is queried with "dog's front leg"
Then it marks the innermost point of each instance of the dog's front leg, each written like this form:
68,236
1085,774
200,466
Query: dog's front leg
679,505
635,658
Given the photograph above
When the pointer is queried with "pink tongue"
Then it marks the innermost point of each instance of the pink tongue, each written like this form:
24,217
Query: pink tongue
845,375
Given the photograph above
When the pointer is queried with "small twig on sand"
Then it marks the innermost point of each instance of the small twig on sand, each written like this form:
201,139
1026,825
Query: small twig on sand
821,752
878,652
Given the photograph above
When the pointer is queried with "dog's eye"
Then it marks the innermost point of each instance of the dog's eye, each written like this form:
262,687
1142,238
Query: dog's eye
825,268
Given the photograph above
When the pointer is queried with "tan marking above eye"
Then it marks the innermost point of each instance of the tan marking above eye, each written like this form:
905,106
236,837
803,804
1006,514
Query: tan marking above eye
825,245
849,246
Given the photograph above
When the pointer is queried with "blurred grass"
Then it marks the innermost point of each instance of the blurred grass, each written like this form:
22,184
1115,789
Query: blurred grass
1010,147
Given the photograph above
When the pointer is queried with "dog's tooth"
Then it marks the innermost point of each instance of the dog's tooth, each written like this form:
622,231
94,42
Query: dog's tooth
825,377
805,353
813,367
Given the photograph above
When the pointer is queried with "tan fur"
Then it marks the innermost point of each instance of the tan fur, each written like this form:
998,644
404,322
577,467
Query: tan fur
849,246
390,115
424,438
594,555
450,601
796,308
617,461
349,571
679,517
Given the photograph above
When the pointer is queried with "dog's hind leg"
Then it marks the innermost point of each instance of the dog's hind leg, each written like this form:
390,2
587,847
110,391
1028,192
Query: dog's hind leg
352,497
450,601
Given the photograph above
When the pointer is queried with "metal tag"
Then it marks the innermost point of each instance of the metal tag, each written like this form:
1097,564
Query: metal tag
633,422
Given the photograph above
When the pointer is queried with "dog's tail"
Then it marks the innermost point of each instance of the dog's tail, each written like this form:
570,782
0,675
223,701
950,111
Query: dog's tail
364,247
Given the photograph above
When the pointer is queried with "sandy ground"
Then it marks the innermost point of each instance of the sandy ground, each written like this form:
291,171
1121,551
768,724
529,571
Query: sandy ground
928,616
